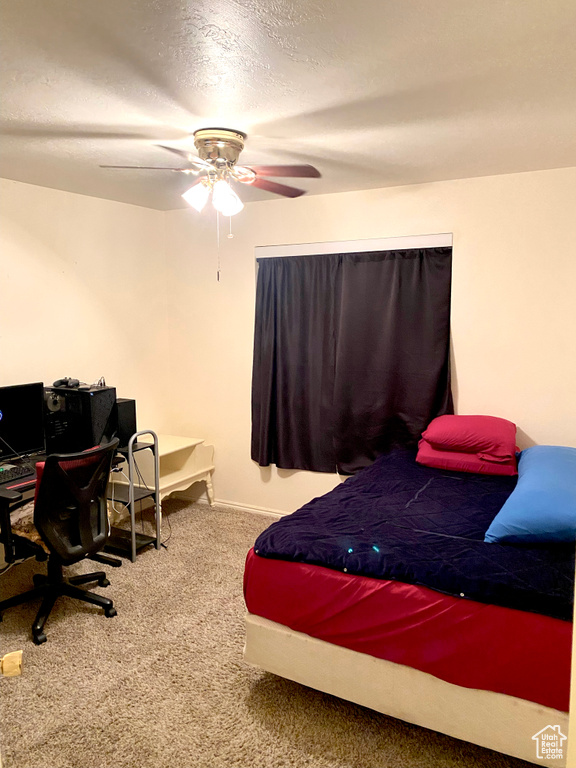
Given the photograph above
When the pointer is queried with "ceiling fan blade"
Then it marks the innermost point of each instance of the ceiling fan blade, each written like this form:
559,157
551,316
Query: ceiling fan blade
277,189
301,171
187,155
147,168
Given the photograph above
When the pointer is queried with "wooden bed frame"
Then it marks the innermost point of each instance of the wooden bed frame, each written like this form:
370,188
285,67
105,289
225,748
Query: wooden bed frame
493,720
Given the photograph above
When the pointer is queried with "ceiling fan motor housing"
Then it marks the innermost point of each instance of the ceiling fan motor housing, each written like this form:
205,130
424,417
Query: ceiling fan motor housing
219,144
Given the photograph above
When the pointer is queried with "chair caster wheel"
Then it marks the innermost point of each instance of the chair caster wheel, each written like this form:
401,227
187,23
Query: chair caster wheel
39,638
110,612
103,583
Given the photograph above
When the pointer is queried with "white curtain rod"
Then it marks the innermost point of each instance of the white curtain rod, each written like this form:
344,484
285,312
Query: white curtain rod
443,240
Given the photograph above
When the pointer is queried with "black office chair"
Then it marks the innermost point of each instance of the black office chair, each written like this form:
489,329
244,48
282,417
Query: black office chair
70,514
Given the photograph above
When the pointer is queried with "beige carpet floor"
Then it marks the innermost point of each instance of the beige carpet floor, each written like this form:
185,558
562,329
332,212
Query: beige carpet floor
163,684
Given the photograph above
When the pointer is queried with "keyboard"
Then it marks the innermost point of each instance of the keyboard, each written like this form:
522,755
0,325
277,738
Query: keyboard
6,475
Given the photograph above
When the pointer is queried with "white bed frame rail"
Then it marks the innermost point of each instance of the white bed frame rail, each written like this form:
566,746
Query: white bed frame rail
493,720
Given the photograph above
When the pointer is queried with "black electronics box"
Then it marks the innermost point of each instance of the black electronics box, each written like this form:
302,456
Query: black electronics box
77,419
125,420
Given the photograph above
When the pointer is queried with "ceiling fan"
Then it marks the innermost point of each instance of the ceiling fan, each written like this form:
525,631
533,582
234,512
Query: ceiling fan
215,165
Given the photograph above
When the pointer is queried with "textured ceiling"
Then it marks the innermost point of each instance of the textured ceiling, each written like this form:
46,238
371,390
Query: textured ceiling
374,94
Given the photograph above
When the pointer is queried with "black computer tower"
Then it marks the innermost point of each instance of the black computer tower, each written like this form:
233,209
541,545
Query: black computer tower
77,419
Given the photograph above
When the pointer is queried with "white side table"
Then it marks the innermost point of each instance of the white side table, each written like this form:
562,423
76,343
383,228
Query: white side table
184,461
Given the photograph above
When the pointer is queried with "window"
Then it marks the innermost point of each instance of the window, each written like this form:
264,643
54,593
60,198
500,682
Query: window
351,352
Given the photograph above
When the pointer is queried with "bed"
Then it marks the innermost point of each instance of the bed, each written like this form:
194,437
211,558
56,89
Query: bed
384,592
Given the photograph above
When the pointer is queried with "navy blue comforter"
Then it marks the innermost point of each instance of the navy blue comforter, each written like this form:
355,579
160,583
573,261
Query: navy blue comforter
399,520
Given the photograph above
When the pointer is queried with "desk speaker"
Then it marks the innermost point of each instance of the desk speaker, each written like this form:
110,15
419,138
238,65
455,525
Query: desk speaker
125,420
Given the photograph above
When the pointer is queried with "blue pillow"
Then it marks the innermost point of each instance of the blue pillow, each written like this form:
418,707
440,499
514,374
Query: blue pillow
542,506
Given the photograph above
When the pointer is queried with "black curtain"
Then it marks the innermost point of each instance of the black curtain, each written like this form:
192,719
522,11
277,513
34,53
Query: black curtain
351,356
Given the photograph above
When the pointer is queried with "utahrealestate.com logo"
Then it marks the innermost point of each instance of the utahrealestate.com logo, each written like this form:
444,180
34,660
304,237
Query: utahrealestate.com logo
550,743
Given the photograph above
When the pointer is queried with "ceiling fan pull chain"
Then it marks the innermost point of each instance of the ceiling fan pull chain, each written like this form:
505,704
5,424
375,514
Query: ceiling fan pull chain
218,244
230,235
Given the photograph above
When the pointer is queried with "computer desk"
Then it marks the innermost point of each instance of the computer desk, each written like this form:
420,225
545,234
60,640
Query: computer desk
16,547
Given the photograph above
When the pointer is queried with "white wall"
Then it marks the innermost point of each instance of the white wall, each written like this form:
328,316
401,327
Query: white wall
513,309
83,293
91,287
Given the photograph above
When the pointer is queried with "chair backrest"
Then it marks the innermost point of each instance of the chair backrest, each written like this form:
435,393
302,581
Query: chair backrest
70,511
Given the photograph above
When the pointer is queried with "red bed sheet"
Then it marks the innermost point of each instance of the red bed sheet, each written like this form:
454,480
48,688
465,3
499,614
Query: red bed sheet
461,641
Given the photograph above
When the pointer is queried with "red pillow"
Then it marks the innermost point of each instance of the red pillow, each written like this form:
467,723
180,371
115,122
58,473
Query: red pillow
489,437
460,461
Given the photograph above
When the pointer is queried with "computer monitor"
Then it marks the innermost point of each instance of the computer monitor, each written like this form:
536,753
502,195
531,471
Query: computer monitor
21,420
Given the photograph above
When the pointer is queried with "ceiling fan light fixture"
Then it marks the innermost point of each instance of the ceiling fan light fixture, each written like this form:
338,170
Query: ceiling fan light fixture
225,200
216,164
197,196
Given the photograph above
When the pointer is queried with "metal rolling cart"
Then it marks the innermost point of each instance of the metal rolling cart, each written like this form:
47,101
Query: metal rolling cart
130,543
